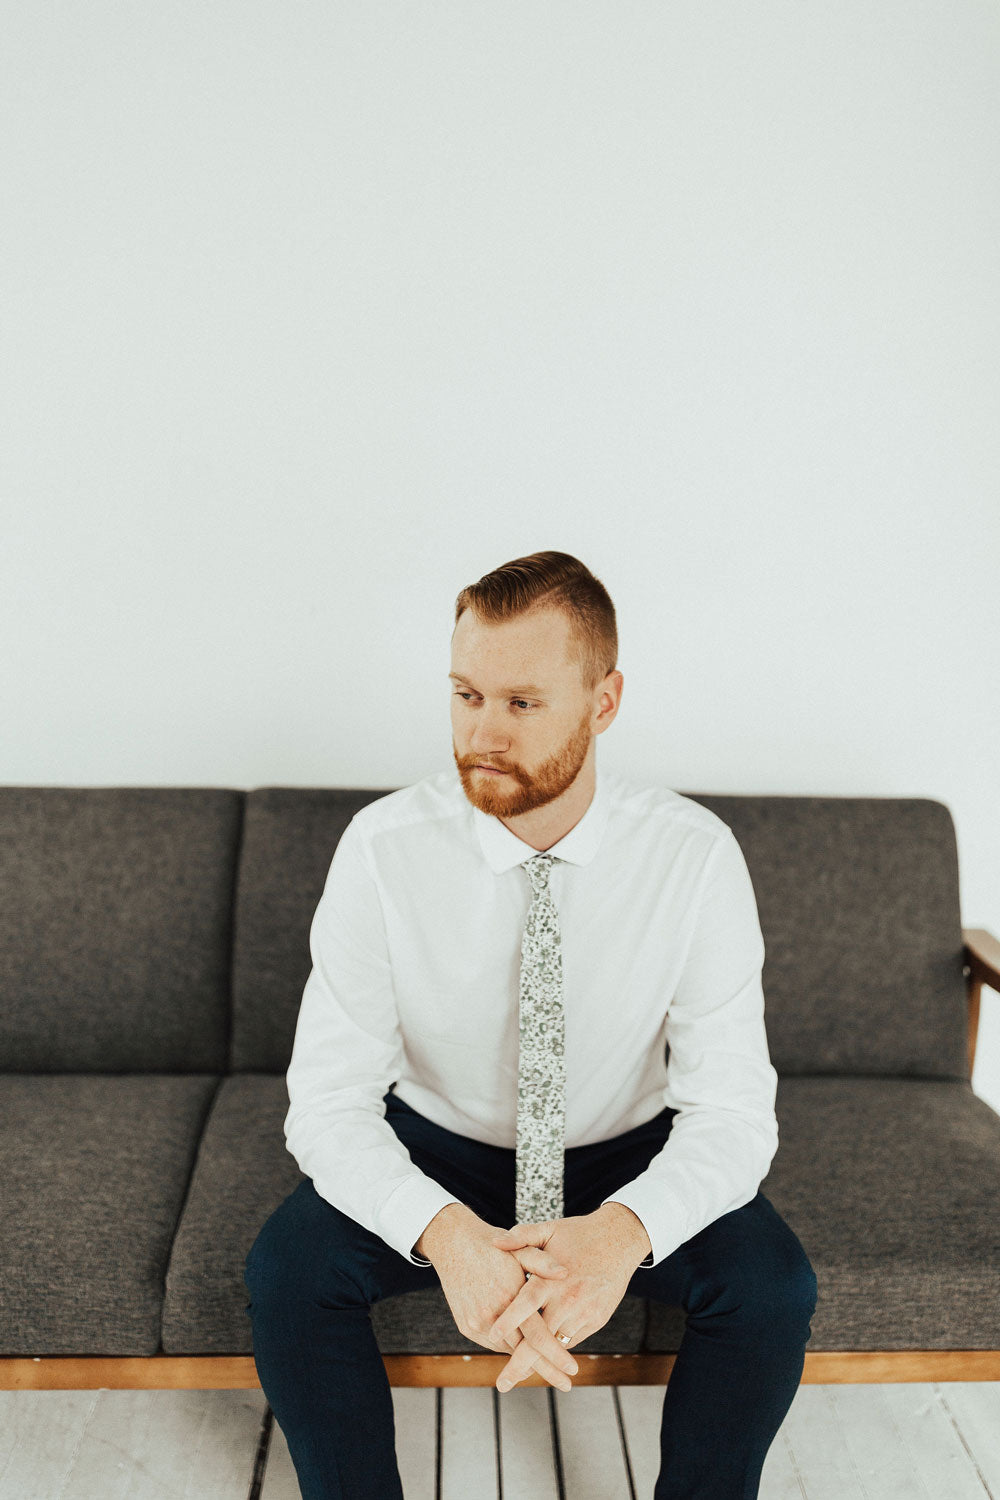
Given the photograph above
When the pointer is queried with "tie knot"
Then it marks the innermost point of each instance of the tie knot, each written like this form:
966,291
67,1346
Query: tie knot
538,867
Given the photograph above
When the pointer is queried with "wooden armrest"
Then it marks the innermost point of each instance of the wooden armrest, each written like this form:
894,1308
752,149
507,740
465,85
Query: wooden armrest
982,954
981,966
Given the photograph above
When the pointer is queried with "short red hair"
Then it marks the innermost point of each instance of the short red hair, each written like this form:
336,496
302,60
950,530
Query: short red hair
552,580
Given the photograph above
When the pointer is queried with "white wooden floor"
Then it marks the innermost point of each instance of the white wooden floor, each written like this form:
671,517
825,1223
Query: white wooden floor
838,1442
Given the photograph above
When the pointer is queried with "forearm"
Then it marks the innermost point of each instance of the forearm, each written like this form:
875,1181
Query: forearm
628,1227
441,1228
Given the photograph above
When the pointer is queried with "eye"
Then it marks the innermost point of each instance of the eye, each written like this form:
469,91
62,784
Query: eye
527,709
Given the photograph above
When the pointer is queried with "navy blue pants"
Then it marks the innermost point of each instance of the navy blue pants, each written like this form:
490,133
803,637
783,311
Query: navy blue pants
744,1282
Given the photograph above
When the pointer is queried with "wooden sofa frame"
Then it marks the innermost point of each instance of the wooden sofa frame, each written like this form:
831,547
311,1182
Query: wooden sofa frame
60,1372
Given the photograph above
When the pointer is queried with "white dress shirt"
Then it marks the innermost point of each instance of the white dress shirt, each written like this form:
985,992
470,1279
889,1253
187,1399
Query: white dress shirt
416,951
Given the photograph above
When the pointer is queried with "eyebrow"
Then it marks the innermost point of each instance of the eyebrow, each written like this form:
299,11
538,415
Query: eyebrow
525,688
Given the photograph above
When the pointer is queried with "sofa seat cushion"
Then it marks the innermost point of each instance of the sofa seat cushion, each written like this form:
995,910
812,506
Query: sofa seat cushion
93,1173
892,1186
244,1171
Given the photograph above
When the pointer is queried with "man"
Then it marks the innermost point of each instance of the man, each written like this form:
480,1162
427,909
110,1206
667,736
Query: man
476,1048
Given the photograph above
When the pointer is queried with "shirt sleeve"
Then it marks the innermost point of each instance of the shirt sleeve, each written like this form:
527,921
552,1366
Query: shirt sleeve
719,1074
347,1052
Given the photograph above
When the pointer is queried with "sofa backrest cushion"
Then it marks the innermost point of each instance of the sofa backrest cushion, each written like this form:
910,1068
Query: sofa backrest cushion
859,906
289,835
115,928
858,901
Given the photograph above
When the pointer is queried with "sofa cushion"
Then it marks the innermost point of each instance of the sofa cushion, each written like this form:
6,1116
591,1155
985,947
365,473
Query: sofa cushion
243,1173
115,928
93,1172
892,1186
859,906
289,836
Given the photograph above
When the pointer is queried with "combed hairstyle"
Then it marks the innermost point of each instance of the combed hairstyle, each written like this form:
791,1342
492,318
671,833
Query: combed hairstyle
552,580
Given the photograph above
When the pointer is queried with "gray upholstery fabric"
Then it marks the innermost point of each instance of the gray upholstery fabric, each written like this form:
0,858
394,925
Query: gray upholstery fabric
893,1187
115,928
289,836
93,1172
242,1173
859,907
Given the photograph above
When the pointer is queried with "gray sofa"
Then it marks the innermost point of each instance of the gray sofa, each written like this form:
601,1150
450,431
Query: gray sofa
153,952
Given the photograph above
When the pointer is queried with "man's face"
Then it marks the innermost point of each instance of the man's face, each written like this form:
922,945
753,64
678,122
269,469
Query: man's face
517,704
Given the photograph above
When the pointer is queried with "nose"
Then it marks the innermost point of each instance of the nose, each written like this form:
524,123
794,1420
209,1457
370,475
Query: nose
487,739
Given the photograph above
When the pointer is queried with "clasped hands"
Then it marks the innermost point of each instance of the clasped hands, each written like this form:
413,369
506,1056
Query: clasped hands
595,1270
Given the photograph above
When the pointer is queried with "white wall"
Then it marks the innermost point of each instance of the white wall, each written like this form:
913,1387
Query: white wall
314,313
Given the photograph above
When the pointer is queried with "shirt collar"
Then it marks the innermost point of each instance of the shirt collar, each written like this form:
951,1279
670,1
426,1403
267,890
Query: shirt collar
502,849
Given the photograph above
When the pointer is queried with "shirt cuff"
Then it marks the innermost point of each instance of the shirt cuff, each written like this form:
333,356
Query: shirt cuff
407,1212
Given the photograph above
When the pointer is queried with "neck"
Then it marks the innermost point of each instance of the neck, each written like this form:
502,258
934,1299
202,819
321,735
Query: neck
546,825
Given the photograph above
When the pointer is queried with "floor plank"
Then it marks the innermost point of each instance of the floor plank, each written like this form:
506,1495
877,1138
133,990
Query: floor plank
280,1482
527,1455
973,1407
642,1411
931,1438
813,1432
468,1443
40,1436
128,1445
886,1462
416,1440
590,1444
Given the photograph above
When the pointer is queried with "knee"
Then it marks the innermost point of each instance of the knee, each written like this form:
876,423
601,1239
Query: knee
784,1296
799,1287
299,1260
279,1260
763,1291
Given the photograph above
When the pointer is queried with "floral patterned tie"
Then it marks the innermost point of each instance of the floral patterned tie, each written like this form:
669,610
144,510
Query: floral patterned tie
541,1069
